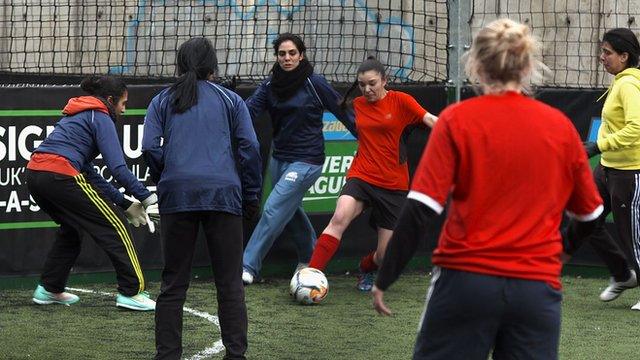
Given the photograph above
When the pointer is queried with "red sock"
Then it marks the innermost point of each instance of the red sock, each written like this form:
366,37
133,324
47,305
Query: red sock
326,246
367,264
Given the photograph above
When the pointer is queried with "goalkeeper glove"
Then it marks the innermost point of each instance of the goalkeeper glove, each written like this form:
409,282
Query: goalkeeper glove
135,214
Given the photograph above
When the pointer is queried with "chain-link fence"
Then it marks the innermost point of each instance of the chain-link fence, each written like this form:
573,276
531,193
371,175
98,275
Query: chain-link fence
139,38
570,33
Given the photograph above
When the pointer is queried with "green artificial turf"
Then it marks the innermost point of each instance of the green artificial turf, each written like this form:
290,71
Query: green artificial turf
344,326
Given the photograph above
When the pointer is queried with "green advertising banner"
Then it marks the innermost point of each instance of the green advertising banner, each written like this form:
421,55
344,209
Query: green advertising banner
322,196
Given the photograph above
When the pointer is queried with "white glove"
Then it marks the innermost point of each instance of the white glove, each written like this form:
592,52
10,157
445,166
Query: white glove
153,199
153,217
136,215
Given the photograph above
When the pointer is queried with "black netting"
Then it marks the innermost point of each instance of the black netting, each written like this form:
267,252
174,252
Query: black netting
570,32
139,38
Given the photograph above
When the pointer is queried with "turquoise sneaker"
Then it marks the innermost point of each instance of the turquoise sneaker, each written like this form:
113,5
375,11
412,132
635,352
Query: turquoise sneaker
139,302
366,280
43,297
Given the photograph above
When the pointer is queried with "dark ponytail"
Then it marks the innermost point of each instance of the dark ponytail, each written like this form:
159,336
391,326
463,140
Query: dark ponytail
348,98
103,87
370,64
196,60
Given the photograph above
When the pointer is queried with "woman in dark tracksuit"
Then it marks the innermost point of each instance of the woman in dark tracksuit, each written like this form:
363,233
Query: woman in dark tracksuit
295,98
63,182
203,154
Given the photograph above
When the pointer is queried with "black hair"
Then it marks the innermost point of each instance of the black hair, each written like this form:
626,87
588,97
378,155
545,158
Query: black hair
295,39
370,64
196,60
624,40
103,87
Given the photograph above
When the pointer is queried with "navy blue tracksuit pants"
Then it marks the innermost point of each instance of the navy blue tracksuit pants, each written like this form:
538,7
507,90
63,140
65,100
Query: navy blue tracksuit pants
470,315
223,233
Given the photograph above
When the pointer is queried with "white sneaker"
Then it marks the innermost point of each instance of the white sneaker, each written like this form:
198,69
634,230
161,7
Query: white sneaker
138,302
43,297
636,306
247,278
616,288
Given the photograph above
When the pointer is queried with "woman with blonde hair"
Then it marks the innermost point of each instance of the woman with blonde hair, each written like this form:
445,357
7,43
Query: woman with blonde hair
510,165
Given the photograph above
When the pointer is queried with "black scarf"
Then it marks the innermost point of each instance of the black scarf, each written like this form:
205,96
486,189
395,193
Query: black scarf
285,83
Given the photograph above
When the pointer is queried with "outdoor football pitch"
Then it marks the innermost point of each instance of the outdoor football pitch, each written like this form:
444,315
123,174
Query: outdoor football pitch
344,326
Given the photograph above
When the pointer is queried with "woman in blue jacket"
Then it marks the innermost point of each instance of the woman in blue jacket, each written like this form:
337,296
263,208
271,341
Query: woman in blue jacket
204,156
295,98
62,180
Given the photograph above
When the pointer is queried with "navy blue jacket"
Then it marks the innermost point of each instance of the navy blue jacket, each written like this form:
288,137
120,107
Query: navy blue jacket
192,156
84,134
297,121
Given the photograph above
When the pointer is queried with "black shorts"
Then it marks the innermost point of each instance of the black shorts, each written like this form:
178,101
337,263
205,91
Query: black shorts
385,204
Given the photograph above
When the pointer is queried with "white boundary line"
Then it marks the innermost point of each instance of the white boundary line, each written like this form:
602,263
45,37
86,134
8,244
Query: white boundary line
217,346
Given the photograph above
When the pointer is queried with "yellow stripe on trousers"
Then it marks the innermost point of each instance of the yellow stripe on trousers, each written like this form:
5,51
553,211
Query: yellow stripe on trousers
116,223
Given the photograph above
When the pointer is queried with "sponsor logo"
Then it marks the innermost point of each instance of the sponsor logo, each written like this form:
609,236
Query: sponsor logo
291,176
334,129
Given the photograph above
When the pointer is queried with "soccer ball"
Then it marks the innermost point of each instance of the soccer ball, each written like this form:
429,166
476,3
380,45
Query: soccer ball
309,286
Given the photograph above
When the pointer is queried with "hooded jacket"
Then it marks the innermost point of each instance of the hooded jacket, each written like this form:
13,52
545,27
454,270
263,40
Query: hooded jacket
619,134
205,159
85,132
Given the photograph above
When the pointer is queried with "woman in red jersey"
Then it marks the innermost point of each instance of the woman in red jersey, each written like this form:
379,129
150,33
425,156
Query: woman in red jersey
510,166
379,176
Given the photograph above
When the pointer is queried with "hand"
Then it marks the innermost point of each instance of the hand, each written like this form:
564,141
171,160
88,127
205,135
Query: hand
251,210
591,148
564,257
135,214
378,302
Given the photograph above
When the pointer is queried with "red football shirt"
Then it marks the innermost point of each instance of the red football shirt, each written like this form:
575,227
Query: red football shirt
511,165
380,126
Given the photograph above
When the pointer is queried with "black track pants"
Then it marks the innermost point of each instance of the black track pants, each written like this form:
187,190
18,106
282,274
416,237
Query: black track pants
77,205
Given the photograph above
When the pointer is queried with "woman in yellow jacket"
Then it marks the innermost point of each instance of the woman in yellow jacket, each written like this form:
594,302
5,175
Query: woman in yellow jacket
618,174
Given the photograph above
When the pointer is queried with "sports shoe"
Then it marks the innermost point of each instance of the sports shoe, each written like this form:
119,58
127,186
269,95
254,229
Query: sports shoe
366,280
616,288
44,297
636,306
139,302
247,278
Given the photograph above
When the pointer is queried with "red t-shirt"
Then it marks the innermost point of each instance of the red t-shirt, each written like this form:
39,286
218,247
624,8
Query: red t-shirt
380,126
511,165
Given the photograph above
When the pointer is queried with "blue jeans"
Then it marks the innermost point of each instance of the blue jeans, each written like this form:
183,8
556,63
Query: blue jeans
283,211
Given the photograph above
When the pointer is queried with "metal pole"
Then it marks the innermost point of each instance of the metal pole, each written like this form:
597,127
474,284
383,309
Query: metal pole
459,40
